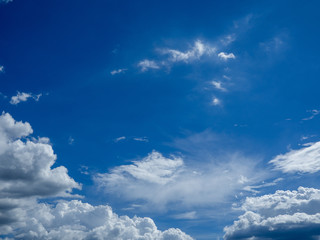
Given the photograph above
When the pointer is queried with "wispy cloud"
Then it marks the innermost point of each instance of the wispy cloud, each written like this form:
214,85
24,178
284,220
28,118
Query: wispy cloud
148,64
23,97
162,181
304,160
218,85
1,69
226,56
117,71
118,139
313,112
198,50
5,1
141,139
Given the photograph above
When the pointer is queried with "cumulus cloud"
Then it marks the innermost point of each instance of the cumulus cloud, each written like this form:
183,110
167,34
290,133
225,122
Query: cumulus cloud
27,176
283,215
304,160
117,71
226,56
77,220
23,97
160,181
148,64
26,168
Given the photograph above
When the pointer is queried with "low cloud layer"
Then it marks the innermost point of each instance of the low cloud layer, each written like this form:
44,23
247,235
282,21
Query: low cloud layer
77,220
304,160
27,176
162,181
283,215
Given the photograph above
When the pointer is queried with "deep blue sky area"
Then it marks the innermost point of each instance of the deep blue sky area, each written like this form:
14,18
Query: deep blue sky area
102,108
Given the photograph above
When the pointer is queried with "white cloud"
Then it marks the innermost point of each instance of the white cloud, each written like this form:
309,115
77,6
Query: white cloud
226,56
198,50
1,68
187,215
78,220
27,175
119,139
26,168
313,112
283,215
161,181
141,139
117,71
23,97
218,85
304,160
148,64
216,101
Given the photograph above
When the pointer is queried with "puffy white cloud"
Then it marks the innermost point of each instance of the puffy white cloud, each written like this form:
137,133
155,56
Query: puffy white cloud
77,220
23,97
117,71
304,160
27,176
1,68
282,215
226,56
26,167
165,182
199,49
148,64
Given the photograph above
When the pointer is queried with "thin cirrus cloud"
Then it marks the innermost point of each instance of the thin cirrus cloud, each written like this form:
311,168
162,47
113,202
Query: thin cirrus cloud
313,112
117,71
27,176
146,64
198,50
163,182
283,215
23,97
218,85
304,160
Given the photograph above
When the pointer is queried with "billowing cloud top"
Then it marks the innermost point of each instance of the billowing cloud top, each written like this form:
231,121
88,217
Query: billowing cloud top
283,215
26,175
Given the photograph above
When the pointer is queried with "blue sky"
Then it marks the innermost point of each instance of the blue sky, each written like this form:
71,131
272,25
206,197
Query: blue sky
193,114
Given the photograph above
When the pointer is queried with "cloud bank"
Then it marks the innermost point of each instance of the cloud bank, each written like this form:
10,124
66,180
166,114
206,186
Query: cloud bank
27,176
283,215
